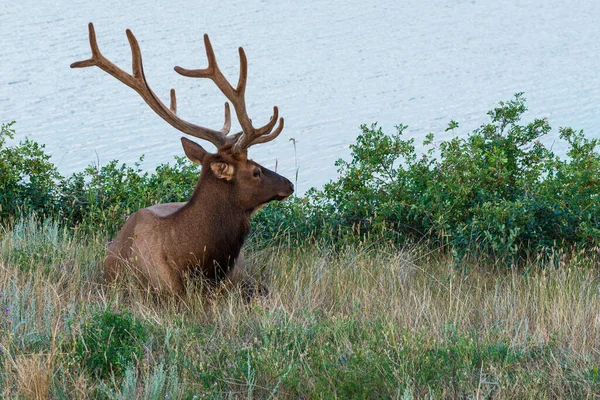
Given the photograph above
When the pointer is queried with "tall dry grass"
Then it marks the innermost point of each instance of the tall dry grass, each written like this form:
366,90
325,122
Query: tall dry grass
367,321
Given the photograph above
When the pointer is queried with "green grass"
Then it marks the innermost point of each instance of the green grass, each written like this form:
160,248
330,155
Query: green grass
364,321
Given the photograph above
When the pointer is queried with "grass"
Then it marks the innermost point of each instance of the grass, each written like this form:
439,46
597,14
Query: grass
368,321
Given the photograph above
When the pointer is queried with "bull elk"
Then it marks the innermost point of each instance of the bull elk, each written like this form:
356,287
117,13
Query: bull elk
164,242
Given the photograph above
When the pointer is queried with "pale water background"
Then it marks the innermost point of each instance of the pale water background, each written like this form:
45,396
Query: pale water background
329,66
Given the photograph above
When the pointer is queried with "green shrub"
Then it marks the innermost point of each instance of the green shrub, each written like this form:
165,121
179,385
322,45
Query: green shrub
98,198
102,197
496,192
27,177
109,342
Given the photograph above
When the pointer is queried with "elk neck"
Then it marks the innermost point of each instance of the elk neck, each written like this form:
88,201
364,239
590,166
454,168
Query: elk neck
214,222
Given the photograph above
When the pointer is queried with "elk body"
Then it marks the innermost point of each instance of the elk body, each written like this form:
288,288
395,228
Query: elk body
163,243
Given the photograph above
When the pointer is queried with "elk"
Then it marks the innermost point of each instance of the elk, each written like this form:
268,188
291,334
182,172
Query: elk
165,242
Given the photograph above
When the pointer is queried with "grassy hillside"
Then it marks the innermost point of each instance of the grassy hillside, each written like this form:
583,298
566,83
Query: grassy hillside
369,320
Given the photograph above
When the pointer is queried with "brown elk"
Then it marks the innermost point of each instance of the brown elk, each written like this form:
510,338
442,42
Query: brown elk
204,235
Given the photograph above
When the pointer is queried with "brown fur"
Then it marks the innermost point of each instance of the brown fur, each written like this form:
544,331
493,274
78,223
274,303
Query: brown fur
204,236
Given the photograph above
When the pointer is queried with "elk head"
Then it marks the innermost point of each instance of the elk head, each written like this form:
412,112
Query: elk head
246,184
231,174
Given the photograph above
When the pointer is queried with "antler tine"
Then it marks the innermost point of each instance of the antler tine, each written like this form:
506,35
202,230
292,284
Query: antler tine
95,51
136,56
269,126
227,124
212,72
241,86
249,135
173,105
261,135
137,81
102,62
268,137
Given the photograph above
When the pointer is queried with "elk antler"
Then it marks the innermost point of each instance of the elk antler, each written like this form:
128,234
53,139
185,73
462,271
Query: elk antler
249,134
137,81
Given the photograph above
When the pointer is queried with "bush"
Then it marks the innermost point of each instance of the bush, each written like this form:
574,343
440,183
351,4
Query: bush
28,178
109,342
103,197
496,192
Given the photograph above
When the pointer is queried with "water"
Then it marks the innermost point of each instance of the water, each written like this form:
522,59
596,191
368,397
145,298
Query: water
329,66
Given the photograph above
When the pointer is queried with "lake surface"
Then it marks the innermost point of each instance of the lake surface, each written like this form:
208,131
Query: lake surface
329,66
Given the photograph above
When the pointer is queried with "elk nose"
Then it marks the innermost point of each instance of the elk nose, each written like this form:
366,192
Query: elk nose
290,185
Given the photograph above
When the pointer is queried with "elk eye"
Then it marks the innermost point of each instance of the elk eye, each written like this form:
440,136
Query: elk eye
256,173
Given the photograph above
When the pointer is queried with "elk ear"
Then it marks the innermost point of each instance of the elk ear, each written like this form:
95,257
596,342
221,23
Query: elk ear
222,170
193,151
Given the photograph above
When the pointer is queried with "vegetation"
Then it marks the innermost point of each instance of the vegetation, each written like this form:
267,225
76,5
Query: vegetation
391,281
358,321
109,343
496,193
